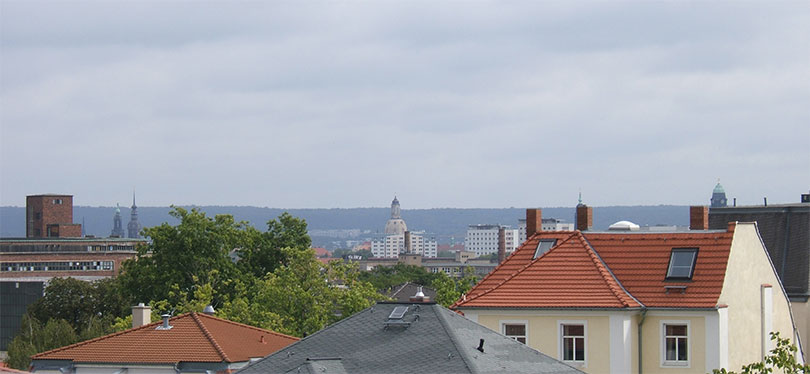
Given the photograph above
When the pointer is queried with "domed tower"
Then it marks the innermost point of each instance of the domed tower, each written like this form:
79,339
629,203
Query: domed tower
134,227
395,225
719,197
118,228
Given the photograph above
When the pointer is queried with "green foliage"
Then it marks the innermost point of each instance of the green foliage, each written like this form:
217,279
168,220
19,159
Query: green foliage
194,252
35,338
385,277
446,254
448,290
82,304
263,254
782,358
301,296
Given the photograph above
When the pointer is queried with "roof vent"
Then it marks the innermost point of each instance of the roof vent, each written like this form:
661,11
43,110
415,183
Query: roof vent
419,297
165,325
209,310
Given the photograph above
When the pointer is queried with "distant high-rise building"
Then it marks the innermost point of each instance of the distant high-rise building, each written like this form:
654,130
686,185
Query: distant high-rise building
483,239
133,227
118,228
719,197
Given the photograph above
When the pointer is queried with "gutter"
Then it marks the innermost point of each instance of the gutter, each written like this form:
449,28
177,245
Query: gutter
640,345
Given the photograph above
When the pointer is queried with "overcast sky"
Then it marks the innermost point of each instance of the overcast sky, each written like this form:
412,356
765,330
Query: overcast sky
446,104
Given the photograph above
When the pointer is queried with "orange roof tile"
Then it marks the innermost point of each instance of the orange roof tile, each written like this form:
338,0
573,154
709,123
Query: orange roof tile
570,275
193,338
605,270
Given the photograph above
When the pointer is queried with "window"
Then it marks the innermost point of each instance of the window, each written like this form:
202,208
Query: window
544,246
515,331
676,343
57,201
572,342
682,263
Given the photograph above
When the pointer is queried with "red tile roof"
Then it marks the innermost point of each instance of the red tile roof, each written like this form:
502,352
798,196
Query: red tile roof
606,270
193,338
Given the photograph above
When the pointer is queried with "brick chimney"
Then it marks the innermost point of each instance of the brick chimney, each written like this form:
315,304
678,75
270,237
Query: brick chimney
141,315
698,217
584,217
534,222
501,244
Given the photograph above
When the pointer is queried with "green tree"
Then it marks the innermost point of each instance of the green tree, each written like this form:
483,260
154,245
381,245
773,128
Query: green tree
782,357
84,305
36,338
385,277
196,251
448,289
263,254
303,296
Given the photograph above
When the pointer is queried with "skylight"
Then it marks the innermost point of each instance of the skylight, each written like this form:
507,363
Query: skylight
544,246
682,263
398,312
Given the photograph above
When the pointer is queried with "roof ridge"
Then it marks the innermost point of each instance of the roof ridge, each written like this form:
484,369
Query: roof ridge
103,337
453,338
573,234
495,269
210,337
606,273
248,326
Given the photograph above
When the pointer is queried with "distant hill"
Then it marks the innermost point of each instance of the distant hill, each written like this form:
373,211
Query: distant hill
444,223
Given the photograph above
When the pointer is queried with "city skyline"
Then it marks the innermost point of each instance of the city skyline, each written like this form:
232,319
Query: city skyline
444,104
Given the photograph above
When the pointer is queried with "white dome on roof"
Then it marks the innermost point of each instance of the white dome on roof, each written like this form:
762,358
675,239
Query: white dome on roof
624,226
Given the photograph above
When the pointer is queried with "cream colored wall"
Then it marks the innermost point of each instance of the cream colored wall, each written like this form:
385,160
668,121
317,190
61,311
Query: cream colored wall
801,317
653,341
748,269
543,336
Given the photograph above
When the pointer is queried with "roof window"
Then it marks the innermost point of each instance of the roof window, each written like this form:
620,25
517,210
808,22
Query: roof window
543,247
682,263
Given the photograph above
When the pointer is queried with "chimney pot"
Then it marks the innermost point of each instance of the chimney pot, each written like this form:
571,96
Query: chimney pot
534,222
165,325
209,310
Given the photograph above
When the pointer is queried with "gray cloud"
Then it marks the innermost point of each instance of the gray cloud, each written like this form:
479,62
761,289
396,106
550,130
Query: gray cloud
473,104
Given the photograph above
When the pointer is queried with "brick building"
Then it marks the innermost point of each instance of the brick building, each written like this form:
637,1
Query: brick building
50,216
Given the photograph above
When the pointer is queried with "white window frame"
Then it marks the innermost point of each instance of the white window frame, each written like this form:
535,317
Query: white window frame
523,322
663,343
561,346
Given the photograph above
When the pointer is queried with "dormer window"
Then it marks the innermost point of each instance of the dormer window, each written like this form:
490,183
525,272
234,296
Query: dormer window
543,247
682,263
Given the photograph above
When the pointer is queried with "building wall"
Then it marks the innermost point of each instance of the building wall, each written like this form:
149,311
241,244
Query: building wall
749,269
17,296
7,258
653,343
483,239
801,318
391,245
42,210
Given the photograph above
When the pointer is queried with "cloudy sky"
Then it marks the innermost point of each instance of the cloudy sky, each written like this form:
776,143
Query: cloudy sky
446,104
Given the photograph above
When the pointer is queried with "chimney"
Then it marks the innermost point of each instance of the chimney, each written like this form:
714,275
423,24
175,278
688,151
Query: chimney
141,315
806,198
698,217
584,217
765,201
534,222
407,242
419,297
502,244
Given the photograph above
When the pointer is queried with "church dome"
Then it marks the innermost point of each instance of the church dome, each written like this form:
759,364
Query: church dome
395,226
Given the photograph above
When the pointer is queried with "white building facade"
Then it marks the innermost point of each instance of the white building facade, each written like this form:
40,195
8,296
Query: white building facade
393,243
483,239
547,224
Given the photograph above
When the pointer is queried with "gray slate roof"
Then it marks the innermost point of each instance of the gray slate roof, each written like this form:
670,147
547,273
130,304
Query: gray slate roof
785,230
436,340
403,292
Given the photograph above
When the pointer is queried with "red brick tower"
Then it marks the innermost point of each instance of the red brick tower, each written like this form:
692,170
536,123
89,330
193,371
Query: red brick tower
50,216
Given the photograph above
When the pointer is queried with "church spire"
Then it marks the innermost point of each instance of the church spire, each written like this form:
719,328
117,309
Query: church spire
134,227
